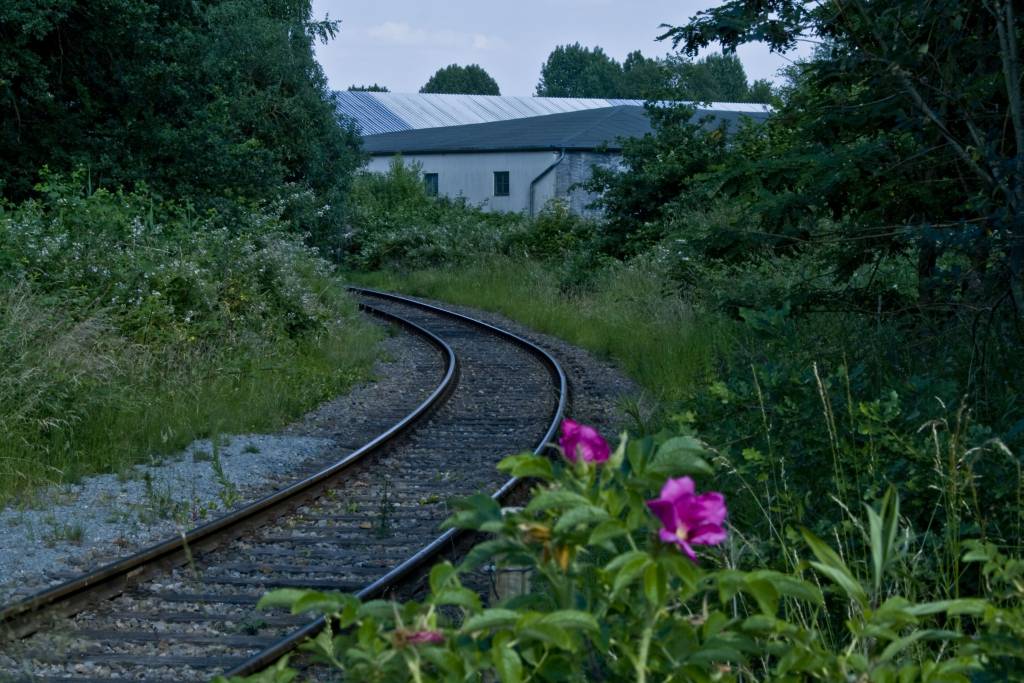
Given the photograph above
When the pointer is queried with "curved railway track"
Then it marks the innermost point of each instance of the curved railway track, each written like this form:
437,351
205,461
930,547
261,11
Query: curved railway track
185,609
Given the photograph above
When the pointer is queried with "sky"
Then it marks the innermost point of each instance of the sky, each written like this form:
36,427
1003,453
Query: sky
401,43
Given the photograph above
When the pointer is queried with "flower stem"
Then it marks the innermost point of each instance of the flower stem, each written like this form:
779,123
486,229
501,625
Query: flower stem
645,648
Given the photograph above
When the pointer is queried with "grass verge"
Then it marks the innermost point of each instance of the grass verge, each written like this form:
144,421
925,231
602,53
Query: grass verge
79,399
625,314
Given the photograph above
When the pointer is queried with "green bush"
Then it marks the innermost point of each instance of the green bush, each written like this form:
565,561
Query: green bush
131,326
394,223
614,597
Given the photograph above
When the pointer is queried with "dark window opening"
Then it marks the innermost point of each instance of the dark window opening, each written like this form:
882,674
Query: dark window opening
430,184
501,183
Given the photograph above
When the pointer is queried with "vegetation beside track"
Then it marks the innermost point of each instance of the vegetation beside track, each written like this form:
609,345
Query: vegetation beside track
132,326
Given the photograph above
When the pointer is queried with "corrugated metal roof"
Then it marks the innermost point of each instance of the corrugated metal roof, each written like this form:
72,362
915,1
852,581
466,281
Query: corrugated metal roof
577,130
376,112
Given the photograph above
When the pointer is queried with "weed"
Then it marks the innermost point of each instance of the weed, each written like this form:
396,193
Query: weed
228,493
251,448
63,532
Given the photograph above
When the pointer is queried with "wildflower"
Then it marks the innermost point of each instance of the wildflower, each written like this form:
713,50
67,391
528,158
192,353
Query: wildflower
583,442
689,519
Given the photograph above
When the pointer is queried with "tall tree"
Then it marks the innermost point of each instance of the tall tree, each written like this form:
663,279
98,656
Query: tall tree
644,77
947,77
461,80
577,71
204,100
714,78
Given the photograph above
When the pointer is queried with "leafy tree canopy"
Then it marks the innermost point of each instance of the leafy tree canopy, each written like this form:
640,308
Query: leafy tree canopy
368,88
924,103
213,100
461,80
577,71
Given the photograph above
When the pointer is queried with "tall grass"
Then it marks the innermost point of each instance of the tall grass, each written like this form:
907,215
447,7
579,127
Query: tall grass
626,314
77,398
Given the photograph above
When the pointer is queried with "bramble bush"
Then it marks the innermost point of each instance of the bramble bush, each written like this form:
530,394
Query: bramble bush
631,584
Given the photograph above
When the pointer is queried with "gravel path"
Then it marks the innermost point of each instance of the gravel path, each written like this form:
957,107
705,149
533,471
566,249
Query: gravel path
107,517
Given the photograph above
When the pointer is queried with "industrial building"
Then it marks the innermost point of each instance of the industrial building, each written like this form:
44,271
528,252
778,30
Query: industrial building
508,153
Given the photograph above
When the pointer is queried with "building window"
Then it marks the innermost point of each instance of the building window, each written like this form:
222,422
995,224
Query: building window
430,184
501,183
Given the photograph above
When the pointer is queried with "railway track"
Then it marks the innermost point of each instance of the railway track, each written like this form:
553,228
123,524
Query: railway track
185,609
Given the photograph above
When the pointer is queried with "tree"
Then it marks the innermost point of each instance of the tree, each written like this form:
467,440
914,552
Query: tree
577,71
368,88
942,78
644,77
202,101
714,78
461,80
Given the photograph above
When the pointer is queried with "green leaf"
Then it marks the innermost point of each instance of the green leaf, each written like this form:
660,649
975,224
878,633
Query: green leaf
883,530
459,596
325,603
507,663
527,465
482,552
491,618
898,646
627,567
765,594
606,531
842,578
655,584
440,574
377,609
283,597
974,606
473,512
547,633
678,456
585,514
832,566
790,586
555,498
571,619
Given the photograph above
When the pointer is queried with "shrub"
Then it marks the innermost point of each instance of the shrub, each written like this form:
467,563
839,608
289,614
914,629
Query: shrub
630,584
394,223
131,326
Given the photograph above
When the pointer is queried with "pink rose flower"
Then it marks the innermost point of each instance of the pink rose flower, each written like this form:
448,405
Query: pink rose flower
688,519
583,442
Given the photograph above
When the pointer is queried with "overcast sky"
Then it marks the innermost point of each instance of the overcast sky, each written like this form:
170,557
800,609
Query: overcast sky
401,43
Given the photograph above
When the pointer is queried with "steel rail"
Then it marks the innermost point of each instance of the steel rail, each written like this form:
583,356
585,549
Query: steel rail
114,578
431,550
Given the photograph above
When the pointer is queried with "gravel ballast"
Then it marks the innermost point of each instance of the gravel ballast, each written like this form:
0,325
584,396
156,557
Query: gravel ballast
106,517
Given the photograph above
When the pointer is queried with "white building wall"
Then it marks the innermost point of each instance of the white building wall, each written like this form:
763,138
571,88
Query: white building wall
471,175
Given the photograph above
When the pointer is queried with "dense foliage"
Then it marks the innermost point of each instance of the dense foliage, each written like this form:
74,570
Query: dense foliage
462,80
905,133
577,71
626,584
130,326
220,101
